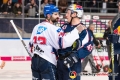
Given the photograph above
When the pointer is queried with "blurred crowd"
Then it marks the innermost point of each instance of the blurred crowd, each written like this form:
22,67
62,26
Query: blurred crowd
31,7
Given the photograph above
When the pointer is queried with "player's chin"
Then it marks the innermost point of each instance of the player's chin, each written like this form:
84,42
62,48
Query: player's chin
57,19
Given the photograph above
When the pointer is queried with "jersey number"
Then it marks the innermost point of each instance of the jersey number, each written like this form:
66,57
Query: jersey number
39,40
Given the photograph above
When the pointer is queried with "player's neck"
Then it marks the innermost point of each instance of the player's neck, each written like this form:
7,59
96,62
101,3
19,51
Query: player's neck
49,21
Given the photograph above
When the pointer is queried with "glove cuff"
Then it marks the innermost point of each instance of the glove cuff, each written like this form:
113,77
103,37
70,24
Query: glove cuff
74,57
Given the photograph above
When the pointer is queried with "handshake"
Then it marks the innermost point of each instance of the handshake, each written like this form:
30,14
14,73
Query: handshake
114,38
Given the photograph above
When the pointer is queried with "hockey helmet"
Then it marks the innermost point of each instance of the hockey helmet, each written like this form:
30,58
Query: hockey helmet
76,8
50,9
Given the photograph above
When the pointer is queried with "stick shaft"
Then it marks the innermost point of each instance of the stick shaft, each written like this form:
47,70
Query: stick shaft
20,37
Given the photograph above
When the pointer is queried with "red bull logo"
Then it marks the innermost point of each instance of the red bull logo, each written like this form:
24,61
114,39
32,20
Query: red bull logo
117,30
77,7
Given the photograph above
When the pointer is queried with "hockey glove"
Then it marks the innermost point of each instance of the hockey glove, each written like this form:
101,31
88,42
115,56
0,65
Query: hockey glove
70,60
114,38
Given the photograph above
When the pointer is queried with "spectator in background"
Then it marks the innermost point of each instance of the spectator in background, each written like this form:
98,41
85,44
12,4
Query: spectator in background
93,5
26,2
52,2
31,5
90,57
20,1
4,1
17,9
62,5
37,2
104,6
7,8
14,1
78,3
31,8
1,2
111,4
105,36
118,5
42,6
92,28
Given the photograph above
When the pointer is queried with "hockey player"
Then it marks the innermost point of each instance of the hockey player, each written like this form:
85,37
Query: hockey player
45,39
70,58
2,64
115,39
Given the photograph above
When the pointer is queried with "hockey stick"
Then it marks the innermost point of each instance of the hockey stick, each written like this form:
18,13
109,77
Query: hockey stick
20,37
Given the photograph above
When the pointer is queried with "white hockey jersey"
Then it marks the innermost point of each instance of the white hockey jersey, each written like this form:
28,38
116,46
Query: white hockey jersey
46,36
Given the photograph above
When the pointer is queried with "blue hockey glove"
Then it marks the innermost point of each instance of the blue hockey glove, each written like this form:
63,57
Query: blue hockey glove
70,60
114,38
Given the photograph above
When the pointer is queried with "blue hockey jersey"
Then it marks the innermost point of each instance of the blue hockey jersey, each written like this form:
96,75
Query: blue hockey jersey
86,40
116,30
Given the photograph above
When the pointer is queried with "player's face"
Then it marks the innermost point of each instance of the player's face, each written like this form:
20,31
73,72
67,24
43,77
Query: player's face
55,17
69,15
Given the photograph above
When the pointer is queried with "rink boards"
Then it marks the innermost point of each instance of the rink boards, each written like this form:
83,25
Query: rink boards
13,50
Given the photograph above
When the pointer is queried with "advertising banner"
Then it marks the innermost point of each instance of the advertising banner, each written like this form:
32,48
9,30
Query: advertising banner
13,50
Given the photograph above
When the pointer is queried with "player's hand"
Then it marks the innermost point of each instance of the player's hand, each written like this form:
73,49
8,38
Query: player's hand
99,46
80,28
2,64
30,6
70,60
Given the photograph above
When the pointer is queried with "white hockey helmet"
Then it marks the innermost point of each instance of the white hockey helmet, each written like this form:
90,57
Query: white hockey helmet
76,8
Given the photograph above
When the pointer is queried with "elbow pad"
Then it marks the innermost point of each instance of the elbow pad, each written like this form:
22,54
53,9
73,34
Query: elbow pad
76,45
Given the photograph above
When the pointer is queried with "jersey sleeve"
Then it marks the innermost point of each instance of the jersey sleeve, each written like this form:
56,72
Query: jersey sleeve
30,45
84,37
86,47
62,40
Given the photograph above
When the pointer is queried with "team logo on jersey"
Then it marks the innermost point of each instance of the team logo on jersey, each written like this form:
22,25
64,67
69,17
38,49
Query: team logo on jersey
72,74
59,30
41,29
64,27
117,30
